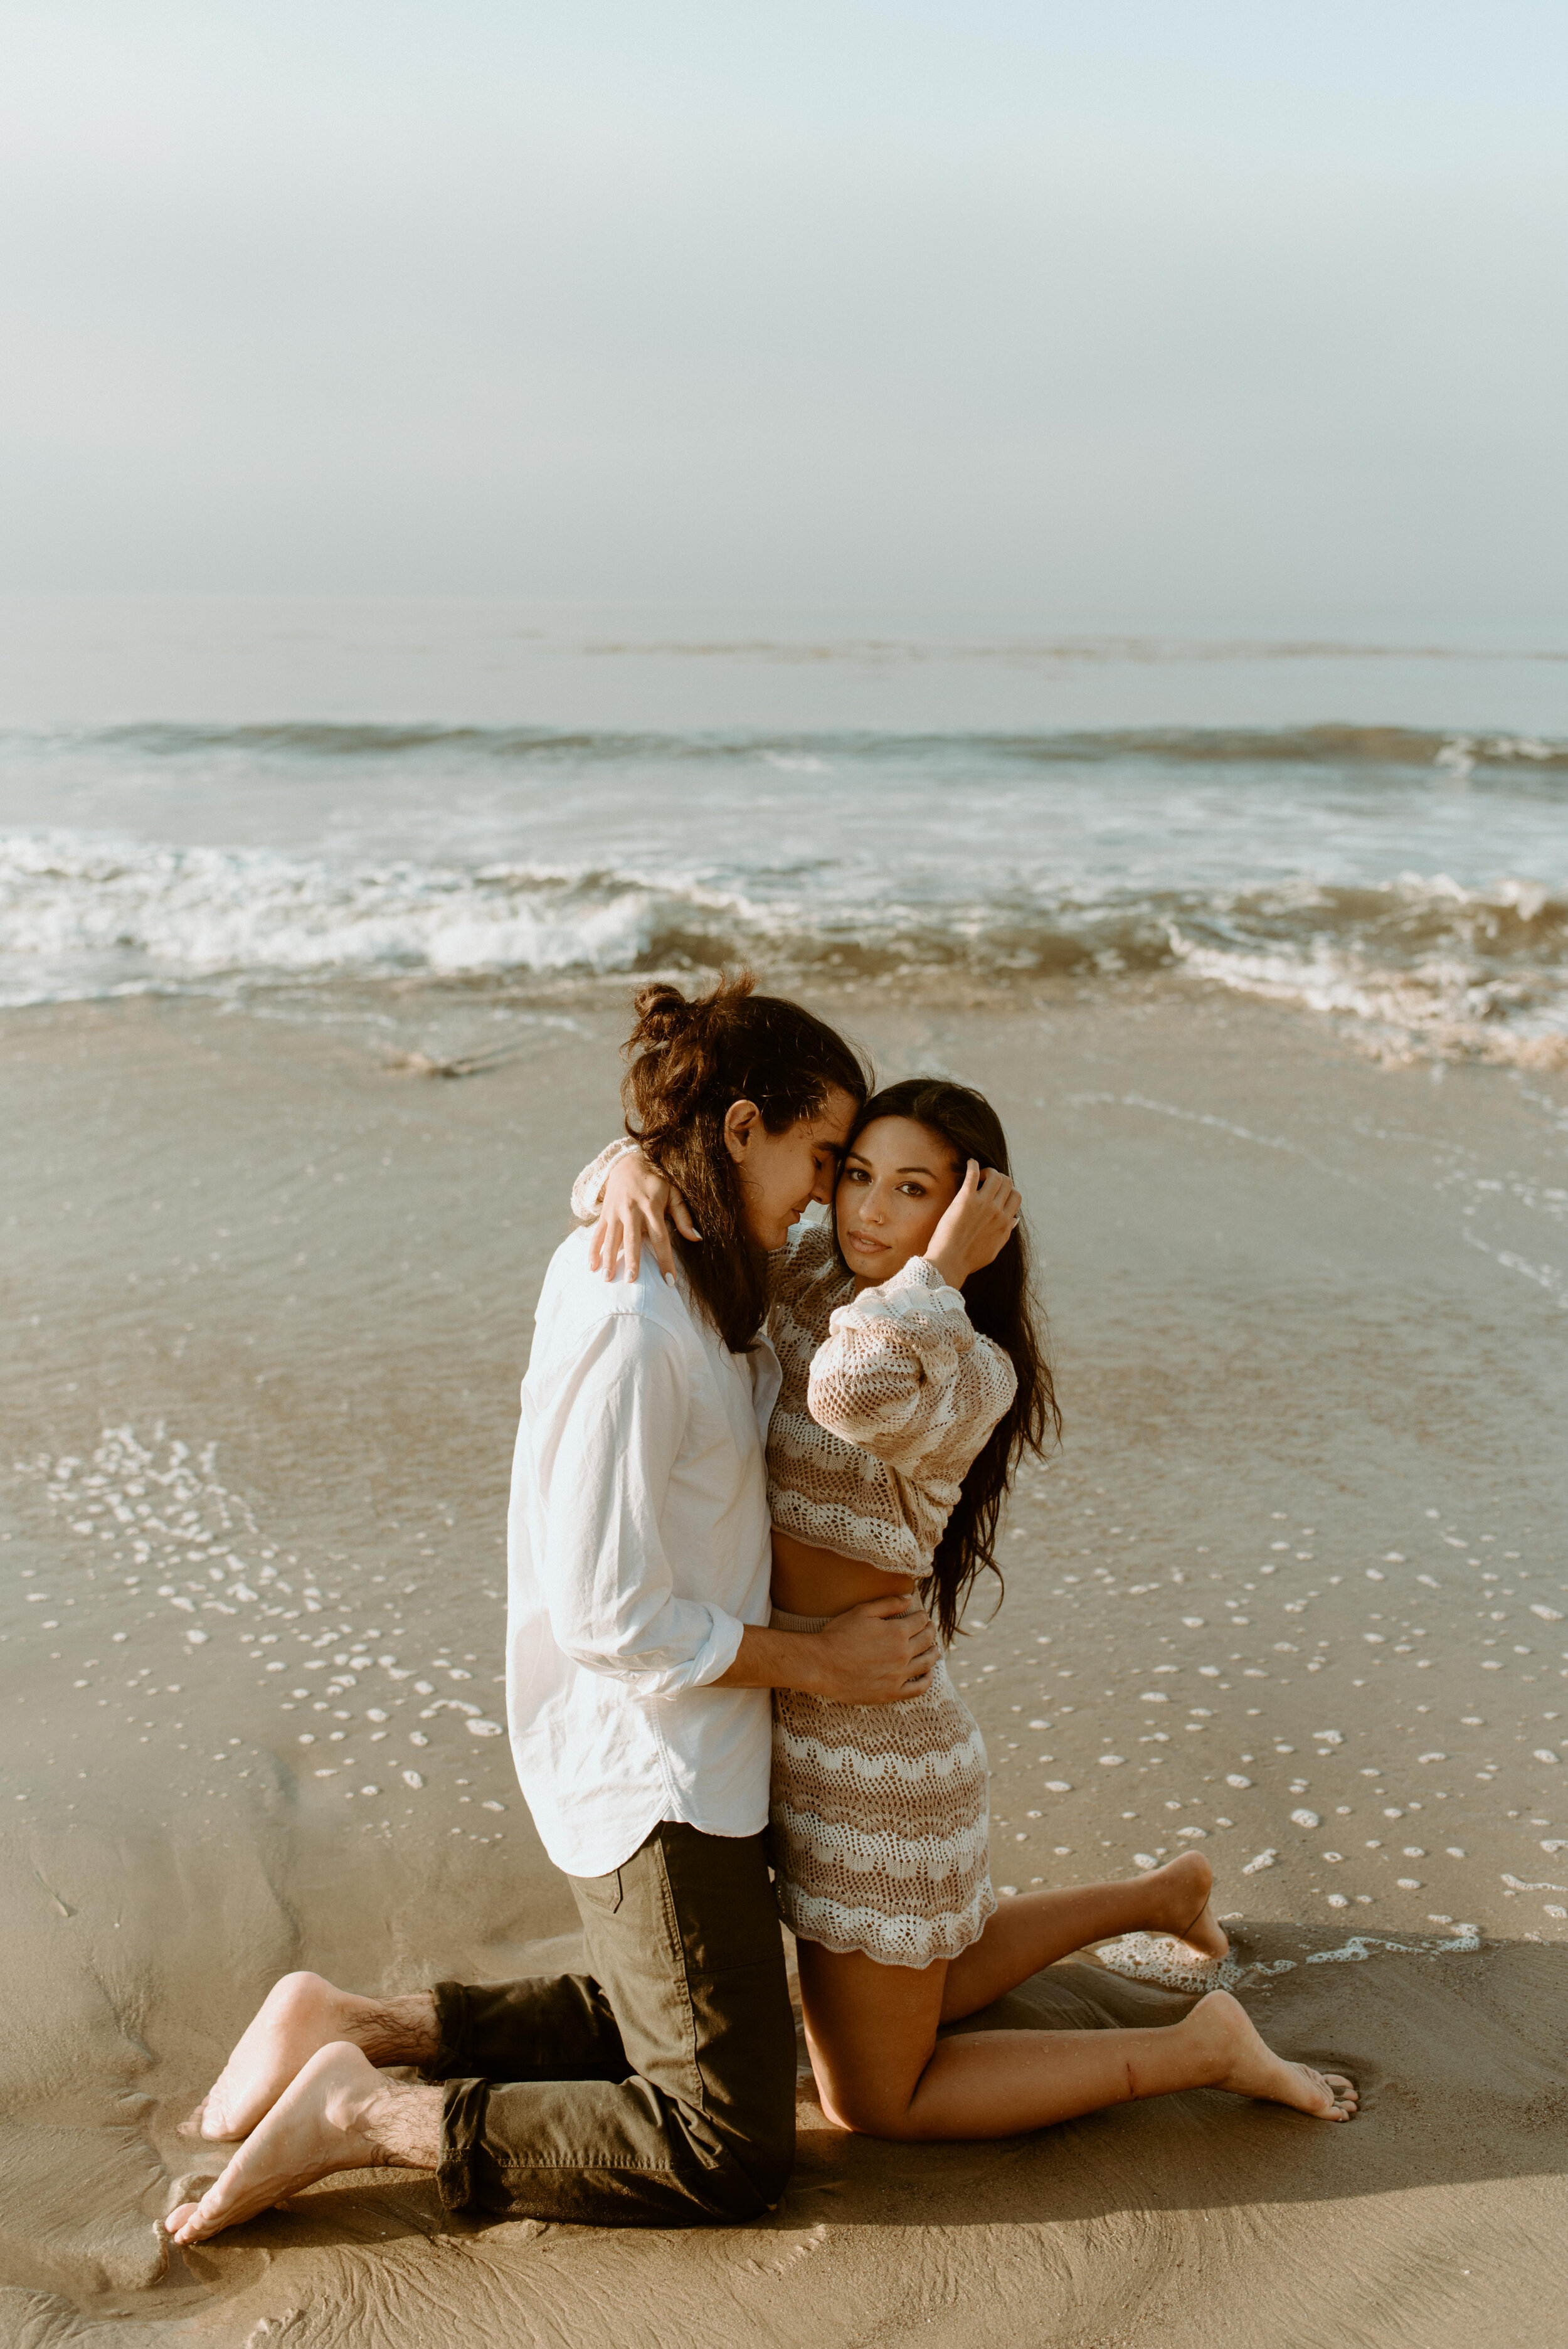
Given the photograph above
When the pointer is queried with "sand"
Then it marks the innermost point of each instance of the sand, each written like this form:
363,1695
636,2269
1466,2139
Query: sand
269,1288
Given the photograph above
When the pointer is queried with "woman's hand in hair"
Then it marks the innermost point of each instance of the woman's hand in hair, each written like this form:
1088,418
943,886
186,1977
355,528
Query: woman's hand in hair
976,1224
638,1207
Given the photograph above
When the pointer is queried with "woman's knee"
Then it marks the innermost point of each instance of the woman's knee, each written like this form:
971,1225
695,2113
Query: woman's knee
866,2107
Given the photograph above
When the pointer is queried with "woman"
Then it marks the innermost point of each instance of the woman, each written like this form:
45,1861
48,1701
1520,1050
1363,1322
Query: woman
913,1381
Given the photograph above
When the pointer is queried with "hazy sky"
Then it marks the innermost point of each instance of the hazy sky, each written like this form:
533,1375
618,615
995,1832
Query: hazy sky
1168,311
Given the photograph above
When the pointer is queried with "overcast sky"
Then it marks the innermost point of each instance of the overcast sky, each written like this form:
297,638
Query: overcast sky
1169,312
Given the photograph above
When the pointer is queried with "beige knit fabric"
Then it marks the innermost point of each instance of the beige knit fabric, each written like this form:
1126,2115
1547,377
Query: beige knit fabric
887,1398
879,1821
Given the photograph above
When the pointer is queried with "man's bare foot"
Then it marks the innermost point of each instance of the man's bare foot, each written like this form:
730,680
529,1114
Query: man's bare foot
299,2016
1180,1890
1247,2067
339,2114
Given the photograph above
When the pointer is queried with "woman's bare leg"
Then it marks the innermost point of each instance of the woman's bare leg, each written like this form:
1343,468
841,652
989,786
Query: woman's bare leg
1034,1929
881,2069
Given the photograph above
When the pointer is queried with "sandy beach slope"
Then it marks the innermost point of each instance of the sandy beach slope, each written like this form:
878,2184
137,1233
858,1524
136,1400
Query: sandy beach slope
1294,1591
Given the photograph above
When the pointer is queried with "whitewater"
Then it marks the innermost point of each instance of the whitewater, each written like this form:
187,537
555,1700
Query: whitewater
1412,882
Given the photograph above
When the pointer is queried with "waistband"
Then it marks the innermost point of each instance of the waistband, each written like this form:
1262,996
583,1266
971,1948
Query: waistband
782,1621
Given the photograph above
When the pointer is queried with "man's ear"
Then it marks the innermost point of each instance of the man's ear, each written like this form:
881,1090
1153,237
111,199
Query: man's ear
742,1119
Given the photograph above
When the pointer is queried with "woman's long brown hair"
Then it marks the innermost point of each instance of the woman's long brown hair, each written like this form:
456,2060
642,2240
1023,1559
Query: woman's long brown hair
692,1059
1000,1306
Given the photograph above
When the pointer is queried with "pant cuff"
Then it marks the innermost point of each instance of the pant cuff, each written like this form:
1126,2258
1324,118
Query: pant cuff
463,2108
451,2002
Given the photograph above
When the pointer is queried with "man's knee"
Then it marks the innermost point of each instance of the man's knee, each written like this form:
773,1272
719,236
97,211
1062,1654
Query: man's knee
753,2170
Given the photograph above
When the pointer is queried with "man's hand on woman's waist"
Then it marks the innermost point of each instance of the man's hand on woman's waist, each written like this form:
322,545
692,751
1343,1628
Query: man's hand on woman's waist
880,1653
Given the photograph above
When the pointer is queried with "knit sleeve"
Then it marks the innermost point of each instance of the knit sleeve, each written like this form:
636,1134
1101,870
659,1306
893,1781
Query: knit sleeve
588,1191
904,1376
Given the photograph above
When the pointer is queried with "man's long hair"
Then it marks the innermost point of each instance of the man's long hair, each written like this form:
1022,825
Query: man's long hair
692,1059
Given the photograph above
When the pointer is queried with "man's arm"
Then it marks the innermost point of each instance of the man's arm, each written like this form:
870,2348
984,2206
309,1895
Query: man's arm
604,1442
880,1653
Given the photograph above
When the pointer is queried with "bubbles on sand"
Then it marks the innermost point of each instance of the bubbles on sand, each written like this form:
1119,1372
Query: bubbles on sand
148,1537
1466,1939
1159,1958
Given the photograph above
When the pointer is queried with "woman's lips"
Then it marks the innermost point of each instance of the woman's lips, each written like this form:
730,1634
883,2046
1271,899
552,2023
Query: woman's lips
865,1246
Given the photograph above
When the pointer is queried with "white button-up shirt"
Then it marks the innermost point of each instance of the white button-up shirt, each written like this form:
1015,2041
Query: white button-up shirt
637,1550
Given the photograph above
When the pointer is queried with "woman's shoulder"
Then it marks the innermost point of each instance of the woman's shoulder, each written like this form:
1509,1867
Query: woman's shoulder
805,1258
806,1281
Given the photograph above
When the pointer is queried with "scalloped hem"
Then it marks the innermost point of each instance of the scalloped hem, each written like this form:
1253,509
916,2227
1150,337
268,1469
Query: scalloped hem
846,1944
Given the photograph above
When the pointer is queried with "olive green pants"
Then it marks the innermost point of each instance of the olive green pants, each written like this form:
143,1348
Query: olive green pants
656,2089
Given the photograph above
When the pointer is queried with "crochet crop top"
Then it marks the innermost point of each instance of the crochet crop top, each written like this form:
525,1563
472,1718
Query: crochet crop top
887,1397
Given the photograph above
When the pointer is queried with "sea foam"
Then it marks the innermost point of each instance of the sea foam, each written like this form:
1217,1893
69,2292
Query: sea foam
1412,887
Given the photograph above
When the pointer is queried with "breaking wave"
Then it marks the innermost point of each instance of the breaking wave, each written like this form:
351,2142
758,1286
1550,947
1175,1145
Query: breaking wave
1412,884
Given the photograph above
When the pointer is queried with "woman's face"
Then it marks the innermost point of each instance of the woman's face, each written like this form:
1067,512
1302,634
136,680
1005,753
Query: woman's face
781,1174
892,1189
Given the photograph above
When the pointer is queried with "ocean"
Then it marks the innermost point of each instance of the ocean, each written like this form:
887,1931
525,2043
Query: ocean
1404,876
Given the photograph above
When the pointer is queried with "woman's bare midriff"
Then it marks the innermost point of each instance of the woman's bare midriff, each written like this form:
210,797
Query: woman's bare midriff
811,1581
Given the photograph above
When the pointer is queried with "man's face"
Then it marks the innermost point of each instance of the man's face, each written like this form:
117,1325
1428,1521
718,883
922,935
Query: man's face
781,1174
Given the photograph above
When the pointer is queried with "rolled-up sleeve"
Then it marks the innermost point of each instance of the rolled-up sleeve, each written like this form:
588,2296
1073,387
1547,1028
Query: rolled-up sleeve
604,1439
904,1376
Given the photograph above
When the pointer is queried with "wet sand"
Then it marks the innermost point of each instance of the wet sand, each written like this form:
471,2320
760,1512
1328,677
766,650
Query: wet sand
268,1291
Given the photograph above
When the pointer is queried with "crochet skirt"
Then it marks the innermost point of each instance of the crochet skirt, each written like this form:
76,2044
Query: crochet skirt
879,1821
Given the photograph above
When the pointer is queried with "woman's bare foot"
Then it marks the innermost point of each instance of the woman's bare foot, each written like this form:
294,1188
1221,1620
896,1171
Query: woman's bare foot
1247,2067
1181,1891
301,2014
339,2114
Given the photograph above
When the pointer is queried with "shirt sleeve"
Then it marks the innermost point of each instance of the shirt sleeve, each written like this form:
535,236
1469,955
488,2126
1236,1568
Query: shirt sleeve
903,1375
604,1439
588,1191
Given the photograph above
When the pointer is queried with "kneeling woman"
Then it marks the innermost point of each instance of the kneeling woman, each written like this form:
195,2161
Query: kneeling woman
912,1383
